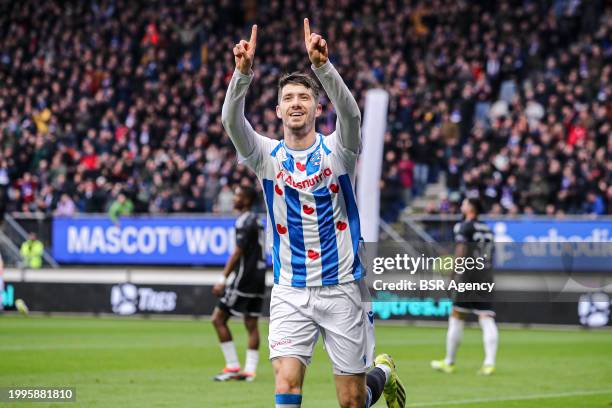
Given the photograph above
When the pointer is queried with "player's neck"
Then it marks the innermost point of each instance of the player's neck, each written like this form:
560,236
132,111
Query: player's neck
296,141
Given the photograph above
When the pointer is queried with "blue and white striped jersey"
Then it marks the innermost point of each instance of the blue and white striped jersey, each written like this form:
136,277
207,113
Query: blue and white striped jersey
309,195
312,212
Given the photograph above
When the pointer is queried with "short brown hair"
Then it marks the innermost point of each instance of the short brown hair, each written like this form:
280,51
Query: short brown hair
298,78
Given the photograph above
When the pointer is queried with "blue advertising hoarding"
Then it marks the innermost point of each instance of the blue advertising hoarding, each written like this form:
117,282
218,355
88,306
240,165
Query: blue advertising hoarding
526,244
560,245
143,240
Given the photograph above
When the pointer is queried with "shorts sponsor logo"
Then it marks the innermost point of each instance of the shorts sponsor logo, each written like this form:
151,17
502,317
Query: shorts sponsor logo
281,342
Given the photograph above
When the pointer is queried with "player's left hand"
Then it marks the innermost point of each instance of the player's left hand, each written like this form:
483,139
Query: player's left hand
315,45
218,289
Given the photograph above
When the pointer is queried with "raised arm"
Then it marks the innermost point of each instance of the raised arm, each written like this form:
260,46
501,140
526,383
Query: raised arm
348,124
232,114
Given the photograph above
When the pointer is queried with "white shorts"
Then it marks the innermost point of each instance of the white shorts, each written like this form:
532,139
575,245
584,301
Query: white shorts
341,313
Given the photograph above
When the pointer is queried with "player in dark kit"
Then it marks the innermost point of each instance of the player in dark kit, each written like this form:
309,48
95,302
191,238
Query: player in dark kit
473,239
242,289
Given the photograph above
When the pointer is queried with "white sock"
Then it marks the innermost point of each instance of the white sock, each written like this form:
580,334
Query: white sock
453,338
387,370
231,357
252,358
489,339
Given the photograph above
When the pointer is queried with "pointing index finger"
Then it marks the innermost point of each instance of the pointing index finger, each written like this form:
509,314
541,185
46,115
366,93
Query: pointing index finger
253,40
306,31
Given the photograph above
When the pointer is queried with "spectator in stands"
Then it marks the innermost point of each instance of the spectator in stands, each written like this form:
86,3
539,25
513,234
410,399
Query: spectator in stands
594,204
65,207
121,207
1,284
421,152
406,175
130,95
32,251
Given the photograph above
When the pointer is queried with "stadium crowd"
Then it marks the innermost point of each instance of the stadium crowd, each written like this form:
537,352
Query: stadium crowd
116,104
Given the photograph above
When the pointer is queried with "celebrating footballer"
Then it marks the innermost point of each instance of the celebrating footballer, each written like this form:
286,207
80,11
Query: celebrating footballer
308,179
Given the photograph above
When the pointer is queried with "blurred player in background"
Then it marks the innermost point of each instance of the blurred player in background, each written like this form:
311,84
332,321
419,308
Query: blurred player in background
308,185
242,289
473,239
1,284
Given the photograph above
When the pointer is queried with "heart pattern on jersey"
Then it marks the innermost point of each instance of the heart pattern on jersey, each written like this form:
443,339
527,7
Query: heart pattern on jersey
312,254
334,188
281,230
278,189
308,210
300,166
341,225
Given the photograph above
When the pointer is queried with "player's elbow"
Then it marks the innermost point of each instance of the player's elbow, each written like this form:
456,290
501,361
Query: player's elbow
225,117
229,125
355,116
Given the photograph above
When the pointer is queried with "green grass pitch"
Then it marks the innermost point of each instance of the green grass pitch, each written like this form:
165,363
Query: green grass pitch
128,362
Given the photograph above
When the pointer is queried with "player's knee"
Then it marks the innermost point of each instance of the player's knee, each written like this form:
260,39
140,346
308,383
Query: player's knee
288,386
352,400
218,320
485,319
251,325
458,315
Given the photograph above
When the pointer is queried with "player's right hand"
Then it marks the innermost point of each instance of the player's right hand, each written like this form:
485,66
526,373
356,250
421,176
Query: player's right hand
218,289
244,52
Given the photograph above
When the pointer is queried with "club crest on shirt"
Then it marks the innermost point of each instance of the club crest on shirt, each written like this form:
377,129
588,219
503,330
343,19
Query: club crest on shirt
289,164
314,162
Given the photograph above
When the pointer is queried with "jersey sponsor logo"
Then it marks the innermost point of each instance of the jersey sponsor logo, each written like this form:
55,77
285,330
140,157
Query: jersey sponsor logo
307,183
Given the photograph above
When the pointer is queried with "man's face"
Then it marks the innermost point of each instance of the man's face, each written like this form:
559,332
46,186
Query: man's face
465,207
297,108
238,199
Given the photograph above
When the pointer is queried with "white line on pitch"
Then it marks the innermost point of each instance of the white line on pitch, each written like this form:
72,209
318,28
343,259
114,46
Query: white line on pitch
516,398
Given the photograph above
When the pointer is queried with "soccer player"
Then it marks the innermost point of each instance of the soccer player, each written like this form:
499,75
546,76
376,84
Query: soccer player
307,180
1,284
474,239
242,293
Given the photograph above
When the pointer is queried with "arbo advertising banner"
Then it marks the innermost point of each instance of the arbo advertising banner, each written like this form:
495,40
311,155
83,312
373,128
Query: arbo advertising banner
143,240
551,230
548,244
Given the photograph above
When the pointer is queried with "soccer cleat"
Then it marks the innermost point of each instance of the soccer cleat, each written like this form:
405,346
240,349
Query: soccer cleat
244,376
441,365
486,370
394,391
227,374
21,306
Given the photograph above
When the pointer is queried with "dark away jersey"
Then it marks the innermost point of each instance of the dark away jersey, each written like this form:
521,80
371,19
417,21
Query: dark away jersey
478,240
250,272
